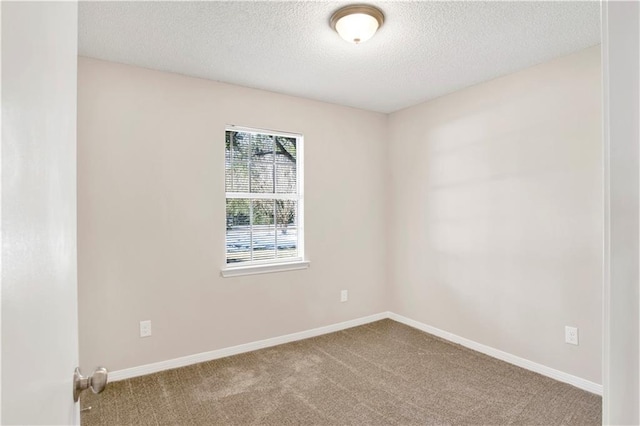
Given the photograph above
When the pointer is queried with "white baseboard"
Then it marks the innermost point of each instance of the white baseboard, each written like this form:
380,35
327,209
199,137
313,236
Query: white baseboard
235,350
248,347
504,356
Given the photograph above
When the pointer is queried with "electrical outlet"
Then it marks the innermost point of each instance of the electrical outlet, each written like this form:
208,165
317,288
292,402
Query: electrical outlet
344,295
571,335
145,328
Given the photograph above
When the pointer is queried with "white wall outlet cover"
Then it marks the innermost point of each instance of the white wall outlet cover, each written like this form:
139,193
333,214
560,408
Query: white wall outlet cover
145,328
571,335
344,295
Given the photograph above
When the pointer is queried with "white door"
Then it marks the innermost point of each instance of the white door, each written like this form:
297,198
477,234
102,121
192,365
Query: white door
39,274
621,346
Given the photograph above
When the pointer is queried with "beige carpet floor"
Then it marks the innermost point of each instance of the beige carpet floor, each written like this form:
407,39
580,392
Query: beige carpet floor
379,373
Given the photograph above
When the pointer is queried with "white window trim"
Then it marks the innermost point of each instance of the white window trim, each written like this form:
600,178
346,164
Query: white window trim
274,265
265,269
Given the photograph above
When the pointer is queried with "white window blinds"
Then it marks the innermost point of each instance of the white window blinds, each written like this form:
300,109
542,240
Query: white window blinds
263,192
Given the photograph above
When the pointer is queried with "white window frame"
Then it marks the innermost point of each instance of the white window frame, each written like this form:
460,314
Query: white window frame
271,265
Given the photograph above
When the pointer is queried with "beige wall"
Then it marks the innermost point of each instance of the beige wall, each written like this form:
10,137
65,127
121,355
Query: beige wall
496,196
479,213
151,216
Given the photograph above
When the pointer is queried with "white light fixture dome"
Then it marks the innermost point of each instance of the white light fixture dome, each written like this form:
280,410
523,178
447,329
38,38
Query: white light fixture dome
357,23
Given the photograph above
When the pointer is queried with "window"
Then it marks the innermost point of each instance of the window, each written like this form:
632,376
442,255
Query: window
263,186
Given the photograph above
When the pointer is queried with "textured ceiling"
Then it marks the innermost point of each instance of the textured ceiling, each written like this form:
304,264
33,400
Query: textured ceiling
424,49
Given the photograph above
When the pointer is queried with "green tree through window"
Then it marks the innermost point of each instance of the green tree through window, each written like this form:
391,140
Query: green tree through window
262,191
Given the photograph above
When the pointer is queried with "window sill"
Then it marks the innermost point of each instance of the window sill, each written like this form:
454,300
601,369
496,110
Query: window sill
264,269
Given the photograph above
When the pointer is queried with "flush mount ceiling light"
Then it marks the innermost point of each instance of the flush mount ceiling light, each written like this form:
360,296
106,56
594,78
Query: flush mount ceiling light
357,23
